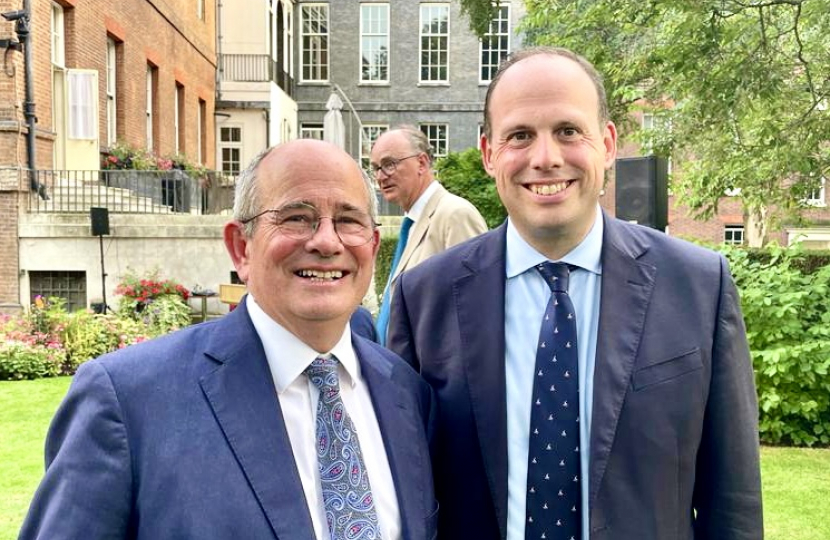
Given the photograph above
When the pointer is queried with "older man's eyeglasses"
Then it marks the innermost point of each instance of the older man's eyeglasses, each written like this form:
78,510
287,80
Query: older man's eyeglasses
389,165
301,221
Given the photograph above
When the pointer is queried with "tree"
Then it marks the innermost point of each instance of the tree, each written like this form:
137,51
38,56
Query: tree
742,88
463,173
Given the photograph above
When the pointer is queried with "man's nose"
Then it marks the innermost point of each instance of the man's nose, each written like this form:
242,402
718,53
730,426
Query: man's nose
546,152
325,238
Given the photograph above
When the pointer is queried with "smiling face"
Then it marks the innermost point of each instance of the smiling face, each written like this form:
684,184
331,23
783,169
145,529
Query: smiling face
411,176
548,150
312,286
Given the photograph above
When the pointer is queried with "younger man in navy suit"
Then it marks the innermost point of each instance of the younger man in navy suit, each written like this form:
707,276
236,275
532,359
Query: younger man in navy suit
649,398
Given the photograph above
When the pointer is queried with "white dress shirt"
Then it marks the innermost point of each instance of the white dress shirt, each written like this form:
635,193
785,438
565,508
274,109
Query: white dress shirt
288,357
418,208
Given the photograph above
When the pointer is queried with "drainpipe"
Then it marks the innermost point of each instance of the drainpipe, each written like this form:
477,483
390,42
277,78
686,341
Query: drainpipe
22,20
221,66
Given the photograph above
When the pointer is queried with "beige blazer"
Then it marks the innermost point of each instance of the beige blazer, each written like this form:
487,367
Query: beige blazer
447,220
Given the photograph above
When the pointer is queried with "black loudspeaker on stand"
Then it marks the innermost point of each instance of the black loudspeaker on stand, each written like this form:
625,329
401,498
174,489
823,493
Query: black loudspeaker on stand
642,194
100,219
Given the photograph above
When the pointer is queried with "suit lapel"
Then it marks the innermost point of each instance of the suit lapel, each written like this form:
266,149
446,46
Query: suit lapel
627,285
419,230
242,394
482,348
398,426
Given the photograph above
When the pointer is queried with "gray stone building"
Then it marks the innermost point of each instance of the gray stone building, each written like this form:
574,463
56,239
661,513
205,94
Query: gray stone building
395,62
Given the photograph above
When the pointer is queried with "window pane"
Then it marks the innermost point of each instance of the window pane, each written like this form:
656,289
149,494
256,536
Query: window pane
434,40
495,45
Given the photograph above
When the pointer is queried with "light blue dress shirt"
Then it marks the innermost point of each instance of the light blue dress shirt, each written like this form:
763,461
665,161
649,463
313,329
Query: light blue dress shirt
526,297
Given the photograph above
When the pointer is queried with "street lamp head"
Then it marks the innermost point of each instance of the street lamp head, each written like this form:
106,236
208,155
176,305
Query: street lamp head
14,15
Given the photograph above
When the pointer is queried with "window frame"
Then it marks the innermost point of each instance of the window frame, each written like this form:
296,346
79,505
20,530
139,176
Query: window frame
427,8
231,145
150,113
382,35
434,141
820,201
311,130
112,91
57,26
324,46
369,133
730,232
491,36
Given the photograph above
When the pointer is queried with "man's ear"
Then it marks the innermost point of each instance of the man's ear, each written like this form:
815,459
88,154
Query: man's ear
610,142
486,154
236,242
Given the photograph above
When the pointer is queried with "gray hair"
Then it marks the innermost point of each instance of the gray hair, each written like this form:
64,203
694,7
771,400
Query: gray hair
522,54
417,140
246,197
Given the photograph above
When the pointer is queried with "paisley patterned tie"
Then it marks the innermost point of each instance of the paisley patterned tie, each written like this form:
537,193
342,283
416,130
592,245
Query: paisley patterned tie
553,492
347,496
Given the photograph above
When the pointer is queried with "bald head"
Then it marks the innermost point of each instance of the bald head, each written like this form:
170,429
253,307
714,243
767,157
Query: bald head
288,159
524,54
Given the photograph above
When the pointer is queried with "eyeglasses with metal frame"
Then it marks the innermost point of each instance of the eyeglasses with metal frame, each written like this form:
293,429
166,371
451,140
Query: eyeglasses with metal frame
301,221
390,165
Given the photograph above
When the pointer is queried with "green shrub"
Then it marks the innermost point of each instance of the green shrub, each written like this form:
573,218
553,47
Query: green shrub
462,173
159,315
788,328
26,360
87,335
384,262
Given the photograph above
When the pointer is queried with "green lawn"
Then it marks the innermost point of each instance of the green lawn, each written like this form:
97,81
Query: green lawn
26,407
796,481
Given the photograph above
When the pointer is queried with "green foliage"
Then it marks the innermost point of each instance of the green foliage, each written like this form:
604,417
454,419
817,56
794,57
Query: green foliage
121,156
47,341
159,304
384,262
161,315
479,14
740,86
25,360
87,335
788,328
463,173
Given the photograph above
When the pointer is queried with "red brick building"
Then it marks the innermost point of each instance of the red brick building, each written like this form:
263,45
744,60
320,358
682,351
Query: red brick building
137,71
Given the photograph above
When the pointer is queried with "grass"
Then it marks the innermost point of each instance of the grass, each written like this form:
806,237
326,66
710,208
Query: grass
796,480
26,407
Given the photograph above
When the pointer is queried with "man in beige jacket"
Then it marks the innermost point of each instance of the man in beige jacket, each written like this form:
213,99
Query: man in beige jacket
435,219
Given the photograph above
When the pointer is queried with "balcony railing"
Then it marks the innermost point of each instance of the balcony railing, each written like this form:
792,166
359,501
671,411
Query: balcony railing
141,192
132,192
254,68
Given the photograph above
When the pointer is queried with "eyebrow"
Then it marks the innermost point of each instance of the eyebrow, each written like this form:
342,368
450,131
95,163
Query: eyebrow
339,207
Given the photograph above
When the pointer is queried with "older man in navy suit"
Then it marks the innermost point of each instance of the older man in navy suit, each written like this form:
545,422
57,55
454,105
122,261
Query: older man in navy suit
593,376
274,422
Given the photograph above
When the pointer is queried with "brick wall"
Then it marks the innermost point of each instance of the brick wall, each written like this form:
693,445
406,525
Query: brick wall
167,33
10,261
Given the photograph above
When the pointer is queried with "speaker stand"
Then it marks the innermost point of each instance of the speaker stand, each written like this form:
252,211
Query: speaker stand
103,276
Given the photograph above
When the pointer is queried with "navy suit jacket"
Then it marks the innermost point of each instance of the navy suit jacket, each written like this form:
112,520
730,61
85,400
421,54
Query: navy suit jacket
674,434
363,324
183,437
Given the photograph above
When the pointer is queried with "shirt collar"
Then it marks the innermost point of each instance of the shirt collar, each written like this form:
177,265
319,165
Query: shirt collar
288,356
586,255
417,209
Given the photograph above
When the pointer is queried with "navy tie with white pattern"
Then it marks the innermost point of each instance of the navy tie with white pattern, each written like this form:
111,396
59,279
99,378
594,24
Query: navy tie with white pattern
347,495
553,487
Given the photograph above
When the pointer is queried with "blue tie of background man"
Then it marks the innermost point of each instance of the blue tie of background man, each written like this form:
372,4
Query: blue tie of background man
347,495
553,491
383,316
